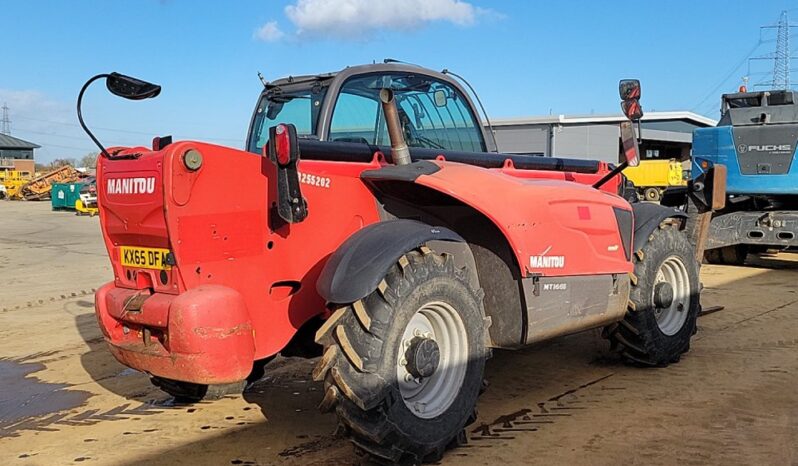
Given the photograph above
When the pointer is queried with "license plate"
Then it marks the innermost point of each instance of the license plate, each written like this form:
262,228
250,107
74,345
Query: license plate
145,258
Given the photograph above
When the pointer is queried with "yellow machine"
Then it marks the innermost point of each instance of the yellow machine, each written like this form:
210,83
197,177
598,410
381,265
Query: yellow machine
652,177
14,180
86,209
19,186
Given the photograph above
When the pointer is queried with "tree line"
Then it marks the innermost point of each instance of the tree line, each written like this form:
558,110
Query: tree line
87,161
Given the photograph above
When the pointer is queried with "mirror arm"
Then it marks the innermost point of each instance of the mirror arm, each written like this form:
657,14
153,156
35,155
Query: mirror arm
615,171
103,152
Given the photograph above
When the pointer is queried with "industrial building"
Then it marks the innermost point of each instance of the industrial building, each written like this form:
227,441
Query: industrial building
665,135
17,154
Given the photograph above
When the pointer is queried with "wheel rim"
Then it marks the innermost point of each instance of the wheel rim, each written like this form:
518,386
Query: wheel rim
428,397
670,319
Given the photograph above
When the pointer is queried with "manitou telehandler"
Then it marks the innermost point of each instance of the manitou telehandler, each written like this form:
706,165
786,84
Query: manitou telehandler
368,221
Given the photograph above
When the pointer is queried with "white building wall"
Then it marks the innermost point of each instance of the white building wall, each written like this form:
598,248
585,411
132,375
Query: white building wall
593,142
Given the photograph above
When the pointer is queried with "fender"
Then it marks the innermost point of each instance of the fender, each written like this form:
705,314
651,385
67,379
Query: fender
355,269
647,218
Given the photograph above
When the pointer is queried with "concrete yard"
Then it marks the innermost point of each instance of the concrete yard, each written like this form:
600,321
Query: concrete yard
65,400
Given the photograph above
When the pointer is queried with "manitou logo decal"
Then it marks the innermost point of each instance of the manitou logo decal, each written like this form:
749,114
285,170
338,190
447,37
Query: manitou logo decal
131,185
542,261
785,148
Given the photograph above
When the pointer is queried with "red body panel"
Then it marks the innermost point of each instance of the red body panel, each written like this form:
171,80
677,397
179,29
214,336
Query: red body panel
571,224
240,289
215,221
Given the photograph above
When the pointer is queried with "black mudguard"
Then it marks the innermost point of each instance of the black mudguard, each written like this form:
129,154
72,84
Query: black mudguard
647,217
355,269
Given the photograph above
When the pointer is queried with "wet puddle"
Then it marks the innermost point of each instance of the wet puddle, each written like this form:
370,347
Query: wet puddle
26,400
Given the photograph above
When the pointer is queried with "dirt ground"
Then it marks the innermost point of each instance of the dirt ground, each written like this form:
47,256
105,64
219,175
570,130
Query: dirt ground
65,400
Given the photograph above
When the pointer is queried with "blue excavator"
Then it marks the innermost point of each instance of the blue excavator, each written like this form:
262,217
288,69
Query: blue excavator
756,140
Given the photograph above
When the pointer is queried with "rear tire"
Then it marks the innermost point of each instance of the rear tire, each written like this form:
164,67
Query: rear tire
393,402
727,255
663,302
188,392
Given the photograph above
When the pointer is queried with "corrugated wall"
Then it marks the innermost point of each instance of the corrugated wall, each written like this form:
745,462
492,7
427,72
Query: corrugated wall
592,142
521,139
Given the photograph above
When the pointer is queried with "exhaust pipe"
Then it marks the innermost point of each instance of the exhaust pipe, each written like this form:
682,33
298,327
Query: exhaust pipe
400,153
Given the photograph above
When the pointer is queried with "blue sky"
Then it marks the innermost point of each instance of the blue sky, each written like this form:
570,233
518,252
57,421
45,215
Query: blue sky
523,57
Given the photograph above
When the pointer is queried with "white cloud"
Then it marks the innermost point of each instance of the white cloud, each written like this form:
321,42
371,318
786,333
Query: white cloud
352,19
269,32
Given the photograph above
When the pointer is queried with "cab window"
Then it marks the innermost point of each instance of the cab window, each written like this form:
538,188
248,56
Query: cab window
299,107
433,114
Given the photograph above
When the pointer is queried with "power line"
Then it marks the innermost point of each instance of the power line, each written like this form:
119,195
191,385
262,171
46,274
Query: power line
126,131
85,149
56,135
715,89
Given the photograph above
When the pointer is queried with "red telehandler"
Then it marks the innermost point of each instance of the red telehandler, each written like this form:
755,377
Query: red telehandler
370,221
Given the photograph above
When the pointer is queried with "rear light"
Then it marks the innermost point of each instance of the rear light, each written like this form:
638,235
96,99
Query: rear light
282,145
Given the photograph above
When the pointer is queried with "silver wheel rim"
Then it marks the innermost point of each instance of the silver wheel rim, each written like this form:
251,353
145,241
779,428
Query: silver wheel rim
671,319
431,396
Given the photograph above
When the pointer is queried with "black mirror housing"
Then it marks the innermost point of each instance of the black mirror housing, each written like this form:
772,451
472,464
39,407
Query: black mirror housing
632,109
131,88
629,89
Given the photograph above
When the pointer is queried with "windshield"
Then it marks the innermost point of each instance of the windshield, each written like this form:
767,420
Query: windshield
299,107
433,114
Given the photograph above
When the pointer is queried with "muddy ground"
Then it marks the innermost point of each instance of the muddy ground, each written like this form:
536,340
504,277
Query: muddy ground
65,400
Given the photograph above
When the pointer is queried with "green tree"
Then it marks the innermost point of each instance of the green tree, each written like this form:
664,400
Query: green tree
61,162
89,160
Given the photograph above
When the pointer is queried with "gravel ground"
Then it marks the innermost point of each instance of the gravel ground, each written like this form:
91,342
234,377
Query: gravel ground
65,400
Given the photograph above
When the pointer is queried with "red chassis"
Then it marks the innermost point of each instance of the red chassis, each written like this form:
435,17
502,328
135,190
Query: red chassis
238,290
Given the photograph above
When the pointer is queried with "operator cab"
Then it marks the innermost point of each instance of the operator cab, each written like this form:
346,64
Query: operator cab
757,108
434,111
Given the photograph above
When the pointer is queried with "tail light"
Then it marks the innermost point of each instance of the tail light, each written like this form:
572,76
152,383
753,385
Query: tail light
282,145
283,151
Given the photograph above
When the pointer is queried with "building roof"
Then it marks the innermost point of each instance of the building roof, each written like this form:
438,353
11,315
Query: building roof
10,142
616,118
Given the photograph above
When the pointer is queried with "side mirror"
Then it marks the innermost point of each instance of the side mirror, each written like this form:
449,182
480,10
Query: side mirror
122,86
629,90
631,151
439,97
131,88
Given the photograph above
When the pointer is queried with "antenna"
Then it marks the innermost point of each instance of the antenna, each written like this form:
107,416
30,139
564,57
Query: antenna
5,123
262,80
781,56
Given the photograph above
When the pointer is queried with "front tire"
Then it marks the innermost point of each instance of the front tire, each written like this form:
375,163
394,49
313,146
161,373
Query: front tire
403,367
728,255
663,302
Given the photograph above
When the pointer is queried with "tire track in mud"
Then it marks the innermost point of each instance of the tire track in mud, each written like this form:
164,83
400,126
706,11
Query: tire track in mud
52,299
533,419
743,363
